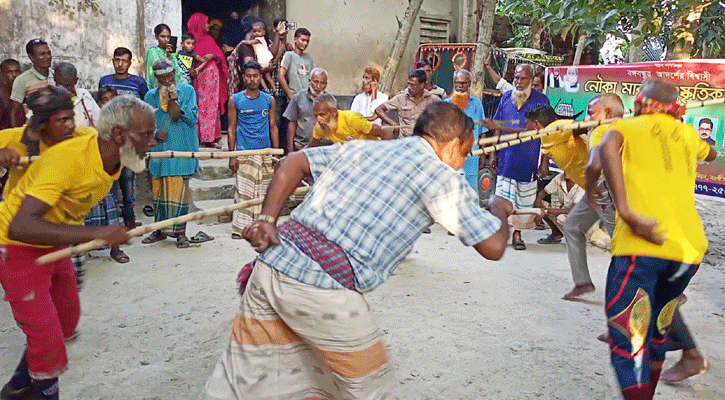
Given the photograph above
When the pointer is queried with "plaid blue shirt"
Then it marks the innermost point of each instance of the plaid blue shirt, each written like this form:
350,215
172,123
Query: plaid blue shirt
374,199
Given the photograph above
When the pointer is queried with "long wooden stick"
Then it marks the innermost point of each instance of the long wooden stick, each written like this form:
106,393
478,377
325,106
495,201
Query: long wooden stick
479,123
191,154
142,230
548,131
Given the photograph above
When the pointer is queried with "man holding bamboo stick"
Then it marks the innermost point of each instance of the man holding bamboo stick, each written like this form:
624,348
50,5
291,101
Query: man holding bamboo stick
650,166
304,328
252,125
45,210
517,165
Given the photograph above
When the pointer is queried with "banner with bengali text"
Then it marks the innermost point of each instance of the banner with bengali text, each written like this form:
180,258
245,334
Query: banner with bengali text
697,80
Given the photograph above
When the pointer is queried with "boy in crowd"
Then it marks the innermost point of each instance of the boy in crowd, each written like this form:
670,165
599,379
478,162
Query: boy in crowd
190,62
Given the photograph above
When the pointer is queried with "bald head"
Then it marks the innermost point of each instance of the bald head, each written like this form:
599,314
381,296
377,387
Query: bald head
610,102
660,90
462,73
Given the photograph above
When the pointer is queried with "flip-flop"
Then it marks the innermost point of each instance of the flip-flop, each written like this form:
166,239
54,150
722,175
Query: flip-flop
182,242
200,237
119,256
518,244
237,236
549,240
154,237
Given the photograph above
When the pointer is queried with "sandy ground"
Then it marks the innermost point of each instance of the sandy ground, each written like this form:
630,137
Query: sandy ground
457,326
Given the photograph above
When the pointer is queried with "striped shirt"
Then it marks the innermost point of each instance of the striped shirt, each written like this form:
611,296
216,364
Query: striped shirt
374,199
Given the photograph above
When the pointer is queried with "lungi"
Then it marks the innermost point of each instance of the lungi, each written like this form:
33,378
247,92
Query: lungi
104,213
253,177
291,340
522,195
171,200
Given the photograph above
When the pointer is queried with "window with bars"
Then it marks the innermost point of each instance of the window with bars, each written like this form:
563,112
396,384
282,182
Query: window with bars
433,29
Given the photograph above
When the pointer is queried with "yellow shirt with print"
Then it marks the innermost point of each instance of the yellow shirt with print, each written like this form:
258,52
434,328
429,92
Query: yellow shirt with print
568,151
350,125
11,138
659,164
597,134
69,177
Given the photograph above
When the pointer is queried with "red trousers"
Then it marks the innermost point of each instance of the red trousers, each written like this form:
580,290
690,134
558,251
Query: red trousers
45,304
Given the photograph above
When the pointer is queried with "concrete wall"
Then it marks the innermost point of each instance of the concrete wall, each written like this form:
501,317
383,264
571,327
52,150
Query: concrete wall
348,36
87,41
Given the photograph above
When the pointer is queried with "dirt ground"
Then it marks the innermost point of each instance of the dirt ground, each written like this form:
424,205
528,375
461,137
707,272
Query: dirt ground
457,326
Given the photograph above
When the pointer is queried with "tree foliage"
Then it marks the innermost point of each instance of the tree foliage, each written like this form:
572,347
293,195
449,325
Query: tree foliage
73,8
631,20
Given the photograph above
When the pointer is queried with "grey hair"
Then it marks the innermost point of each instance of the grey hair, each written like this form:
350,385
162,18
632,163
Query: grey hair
65,70
162,63
327,99
527,66
317,70
463,72
120,112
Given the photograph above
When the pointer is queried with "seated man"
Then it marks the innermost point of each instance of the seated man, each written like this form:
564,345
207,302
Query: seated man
339,126
569,194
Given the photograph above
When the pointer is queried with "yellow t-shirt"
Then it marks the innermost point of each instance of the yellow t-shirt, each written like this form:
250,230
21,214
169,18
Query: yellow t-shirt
568,151
659,164
596,135
68,176
11,138
350,125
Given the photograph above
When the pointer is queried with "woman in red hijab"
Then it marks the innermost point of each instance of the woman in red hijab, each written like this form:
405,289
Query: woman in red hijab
210,84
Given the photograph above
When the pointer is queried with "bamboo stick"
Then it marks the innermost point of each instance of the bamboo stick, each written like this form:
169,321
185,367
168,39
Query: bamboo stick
191,154
548,131
142,230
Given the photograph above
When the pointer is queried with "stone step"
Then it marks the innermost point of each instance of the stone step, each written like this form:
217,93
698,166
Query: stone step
216,189
205,205
217,168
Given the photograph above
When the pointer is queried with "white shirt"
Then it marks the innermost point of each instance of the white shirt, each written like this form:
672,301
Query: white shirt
567,197
84,105
362,104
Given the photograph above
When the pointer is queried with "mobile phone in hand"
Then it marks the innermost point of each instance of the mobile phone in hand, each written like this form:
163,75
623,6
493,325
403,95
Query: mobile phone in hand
173,42
290,26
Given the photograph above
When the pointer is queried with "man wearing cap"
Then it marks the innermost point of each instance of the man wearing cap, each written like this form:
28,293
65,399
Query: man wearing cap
37,77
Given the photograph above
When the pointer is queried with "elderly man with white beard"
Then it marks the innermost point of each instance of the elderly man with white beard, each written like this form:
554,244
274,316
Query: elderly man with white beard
518,165
339,126
176,117
473,108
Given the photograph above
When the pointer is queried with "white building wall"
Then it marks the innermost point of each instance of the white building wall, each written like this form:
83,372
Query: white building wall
348,36
86,40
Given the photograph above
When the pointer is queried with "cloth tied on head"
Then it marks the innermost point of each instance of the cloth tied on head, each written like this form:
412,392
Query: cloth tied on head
43,104
652,106
164,71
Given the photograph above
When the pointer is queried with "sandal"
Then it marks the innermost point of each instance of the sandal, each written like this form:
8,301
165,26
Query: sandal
200,237
154,237
119,256
551,239
518,244
237,236
182,242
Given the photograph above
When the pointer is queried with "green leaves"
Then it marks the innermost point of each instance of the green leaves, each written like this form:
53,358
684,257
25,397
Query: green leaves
72,10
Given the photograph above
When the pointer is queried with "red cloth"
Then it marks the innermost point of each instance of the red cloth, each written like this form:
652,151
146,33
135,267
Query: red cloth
205,44
45,304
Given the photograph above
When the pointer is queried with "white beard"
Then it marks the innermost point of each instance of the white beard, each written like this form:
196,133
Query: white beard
130,159
520,97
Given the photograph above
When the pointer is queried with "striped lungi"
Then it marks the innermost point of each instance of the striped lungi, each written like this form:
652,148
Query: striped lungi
521,194
171,200
295,341
104,213
253,177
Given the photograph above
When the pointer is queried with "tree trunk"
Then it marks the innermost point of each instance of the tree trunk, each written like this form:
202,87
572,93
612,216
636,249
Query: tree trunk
399,45
483,45
467,35
537,28
579,47
689,22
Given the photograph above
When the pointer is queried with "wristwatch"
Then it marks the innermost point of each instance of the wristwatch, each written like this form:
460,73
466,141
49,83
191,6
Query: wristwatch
267,218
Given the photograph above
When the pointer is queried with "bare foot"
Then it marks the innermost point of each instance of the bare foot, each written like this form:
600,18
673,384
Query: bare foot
578,291
692,363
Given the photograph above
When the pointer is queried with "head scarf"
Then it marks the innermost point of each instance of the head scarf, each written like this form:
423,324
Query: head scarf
652,106
205,44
